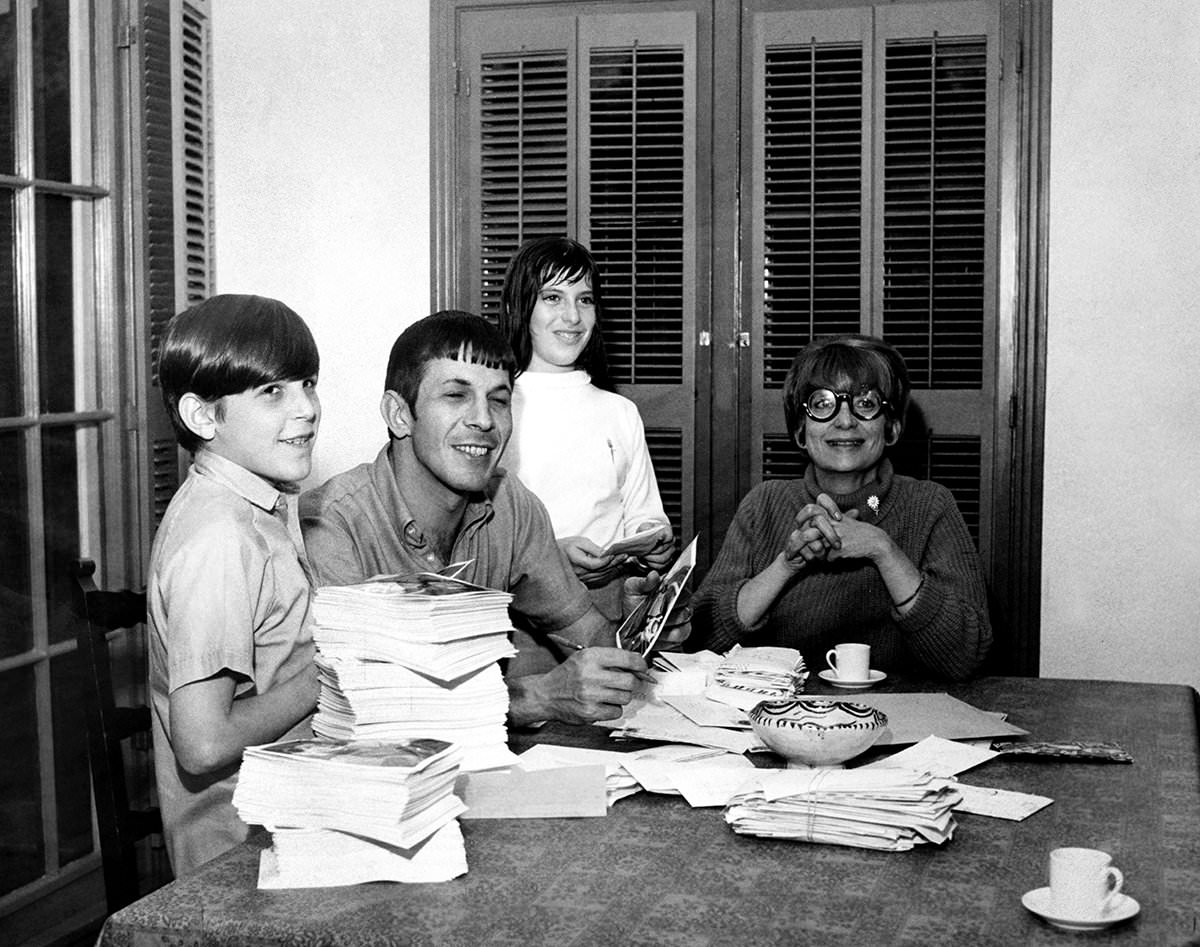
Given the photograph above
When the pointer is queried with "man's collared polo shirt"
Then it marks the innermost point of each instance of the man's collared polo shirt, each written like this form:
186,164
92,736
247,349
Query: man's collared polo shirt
357,525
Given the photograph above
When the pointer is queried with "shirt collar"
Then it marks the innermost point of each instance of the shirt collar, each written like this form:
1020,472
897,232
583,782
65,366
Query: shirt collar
250,486
479,508
869,499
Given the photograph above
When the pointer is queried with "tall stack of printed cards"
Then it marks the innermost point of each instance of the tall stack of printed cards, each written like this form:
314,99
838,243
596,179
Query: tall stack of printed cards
888,809
347,813
401,657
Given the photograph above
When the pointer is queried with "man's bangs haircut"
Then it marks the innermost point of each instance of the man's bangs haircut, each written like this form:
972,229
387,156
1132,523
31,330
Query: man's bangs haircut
451,334
230,343
551,260
847,363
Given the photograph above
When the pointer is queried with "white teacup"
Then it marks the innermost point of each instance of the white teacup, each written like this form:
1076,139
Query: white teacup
850,662
1083,882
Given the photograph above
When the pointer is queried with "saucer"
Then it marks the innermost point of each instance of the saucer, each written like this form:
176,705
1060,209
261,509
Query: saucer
831,678
1038,901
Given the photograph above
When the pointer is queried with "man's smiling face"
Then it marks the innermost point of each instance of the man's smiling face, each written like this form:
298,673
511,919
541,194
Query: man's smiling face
461,423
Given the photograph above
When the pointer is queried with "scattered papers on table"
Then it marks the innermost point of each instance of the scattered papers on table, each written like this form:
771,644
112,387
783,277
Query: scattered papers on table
317,858
676,672
748,676
647,718
999,803
887,809
703,777
568,790
937,756
912,717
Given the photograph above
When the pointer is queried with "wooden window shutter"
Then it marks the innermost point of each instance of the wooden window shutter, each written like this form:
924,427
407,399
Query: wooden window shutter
873,178
934,174
174,174
637,178
584,125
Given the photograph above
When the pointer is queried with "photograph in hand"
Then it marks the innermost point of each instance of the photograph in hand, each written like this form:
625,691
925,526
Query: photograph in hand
641,630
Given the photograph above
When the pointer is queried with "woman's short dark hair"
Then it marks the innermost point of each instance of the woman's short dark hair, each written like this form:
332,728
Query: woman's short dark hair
857,362
227,344
450,333
545,260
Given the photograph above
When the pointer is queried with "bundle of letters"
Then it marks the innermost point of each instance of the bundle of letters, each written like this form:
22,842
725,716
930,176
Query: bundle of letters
414,656
347,813
888,809
747,676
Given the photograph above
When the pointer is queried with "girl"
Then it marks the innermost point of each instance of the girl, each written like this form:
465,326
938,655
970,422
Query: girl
576,443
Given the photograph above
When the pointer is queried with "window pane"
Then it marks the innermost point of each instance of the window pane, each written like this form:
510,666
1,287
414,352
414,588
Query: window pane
22,851
10,363
60,512
71,774
16,613
52,90
8,86
55,317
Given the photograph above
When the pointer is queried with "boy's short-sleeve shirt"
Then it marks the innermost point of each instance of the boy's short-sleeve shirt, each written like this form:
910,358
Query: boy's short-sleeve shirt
228,591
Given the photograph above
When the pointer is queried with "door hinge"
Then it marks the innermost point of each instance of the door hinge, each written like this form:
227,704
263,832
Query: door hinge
704,340
462,84
1012,411
128,36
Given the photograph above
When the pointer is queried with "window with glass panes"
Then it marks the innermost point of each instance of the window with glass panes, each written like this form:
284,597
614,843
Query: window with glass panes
100,246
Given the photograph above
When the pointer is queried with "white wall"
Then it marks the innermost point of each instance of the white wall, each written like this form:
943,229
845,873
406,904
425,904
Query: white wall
1121,534
321,130
322,136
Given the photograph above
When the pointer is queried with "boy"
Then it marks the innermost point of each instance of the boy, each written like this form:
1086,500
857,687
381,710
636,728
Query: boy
228,595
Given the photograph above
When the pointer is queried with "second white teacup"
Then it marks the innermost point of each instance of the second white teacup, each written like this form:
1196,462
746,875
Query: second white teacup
1083,882
850,662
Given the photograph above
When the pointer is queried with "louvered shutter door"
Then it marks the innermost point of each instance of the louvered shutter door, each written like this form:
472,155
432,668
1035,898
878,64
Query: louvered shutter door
585,126
176,231
871,178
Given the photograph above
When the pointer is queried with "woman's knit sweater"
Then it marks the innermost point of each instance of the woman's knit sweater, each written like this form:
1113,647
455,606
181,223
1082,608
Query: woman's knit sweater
946,632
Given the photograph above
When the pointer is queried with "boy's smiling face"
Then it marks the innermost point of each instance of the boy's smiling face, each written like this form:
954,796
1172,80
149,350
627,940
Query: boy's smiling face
269,429
462,422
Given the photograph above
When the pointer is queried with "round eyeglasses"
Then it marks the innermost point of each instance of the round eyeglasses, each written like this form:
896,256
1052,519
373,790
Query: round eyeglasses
824,404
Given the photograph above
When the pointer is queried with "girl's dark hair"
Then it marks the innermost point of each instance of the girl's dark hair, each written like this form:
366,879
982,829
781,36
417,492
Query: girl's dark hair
861,361
538,262
227,344
451,333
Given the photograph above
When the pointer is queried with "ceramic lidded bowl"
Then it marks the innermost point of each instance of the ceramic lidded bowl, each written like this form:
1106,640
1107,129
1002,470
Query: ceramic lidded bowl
817,731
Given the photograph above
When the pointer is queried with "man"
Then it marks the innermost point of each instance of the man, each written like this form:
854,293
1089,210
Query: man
435,496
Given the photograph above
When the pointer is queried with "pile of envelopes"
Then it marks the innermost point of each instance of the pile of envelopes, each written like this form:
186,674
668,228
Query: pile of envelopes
346,813
887,809
414,656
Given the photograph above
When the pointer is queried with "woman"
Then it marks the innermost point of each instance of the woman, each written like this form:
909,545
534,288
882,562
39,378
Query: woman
577,444
852,551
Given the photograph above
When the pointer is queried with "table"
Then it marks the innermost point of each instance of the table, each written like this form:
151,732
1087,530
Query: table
656,871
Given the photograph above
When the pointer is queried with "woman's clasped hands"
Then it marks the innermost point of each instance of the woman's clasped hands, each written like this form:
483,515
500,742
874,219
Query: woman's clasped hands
823,532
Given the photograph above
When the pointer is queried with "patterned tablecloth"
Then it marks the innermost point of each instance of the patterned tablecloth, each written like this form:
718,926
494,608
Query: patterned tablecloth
656,871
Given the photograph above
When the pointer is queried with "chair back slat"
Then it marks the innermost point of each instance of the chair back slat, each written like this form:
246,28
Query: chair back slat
100,612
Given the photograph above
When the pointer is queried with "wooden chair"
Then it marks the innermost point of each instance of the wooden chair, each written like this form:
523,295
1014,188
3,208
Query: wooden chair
121,827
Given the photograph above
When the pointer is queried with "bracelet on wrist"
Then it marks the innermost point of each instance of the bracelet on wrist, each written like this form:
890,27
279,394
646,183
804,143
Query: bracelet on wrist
915,593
